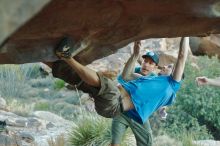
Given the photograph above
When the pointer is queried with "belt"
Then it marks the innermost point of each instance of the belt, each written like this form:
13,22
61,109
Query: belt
121,104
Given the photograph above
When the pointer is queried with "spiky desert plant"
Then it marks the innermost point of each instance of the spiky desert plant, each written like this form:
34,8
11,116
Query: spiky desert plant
94,130
91,130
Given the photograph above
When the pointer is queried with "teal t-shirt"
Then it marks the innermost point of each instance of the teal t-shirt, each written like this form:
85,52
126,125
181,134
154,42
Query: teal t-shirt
149,93
133,113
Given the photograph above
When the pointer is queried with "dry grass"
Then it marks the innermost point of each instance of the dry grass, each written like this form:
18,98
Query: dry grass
19,108
58,141
165,140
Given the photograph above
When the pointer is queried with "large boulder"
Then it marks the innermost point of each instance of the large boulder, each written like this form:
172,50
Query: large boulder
14,15
206,45
108,25
37,130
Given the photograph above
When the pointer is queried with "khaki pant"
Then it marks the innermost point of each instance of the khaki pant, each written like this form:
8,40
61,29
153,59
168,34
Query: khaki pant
107,98
142,132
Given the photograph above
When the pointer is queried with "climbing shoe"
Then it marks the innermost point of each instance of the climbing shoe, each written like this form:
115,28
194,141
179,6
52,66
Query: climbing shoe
67,48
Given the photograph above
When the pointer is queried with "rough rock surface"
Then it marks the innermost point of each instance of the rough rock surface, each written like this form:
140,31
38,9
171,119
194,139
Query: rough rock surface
107,25
14,15
113,64
207,143
34,130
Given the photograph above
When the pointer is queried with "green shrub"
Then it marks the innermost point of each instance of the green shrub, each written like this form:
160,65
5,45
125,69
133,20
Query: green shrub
202,102
181,123
196,109
58,84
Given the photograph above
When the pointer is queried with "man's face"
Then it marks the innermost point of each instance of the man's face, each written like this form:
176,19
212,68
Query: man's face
166,70
147,66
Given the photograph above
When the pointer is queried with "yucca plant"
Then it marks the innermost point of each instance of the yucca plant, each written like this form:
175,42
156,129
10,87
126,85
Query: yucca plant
94,130
91,130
